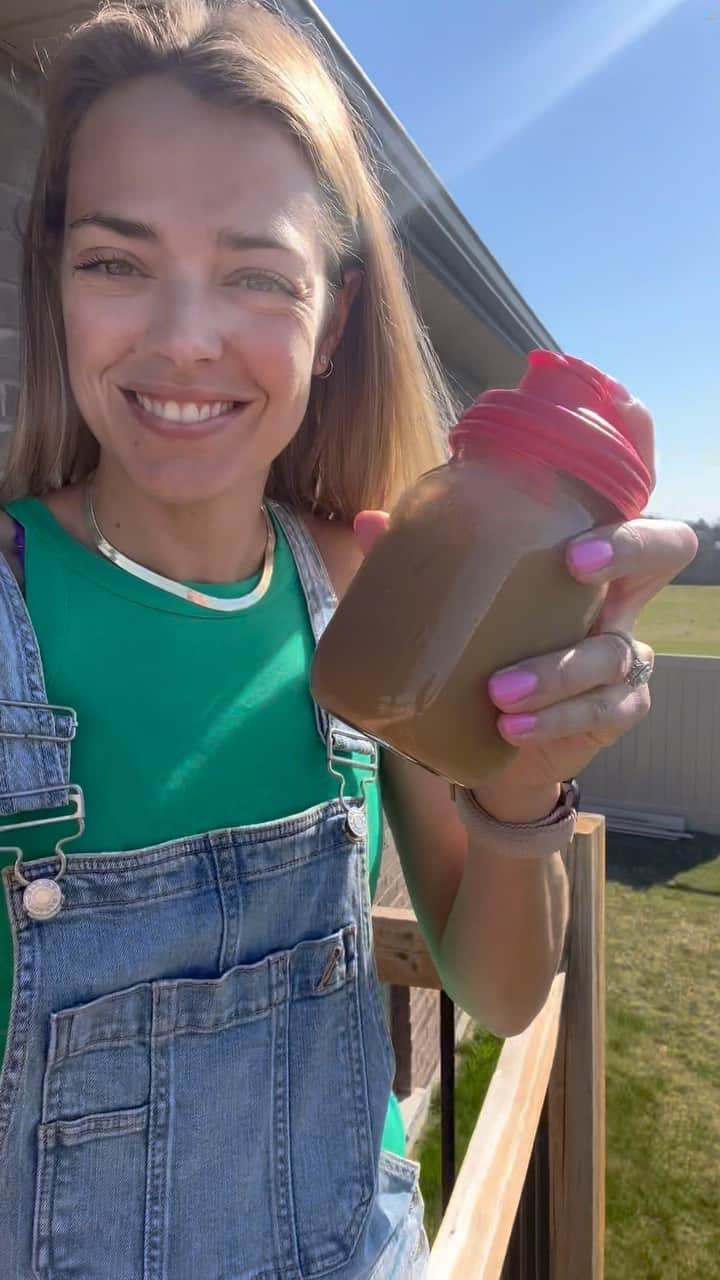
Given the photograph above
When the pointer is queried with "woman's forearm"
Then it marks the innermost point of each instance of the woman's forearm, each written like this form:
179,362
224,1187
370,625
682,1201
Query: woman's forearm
502,944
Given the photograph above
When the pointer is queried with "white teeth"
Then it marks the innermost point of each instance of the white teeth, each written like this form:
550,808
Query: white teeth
185,413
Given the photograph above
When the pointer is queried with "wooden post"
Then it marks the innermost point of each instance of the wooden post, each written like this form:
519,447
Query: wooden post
401,953
576,1092
556,1070
528,1255
472,1241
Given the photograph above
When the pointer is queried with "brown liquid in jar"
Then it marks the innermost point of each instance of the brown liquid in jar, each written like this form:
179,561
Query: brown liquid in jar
469,578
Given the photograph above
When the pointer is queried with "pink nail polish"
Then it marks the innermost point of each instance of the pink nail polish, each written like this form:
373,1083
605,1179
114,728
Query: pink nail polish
517,726
511,686
591,556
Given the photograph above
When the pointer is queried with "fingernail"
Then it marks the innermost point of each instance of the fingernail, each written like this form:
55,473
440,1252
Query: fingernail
618,391
518,726
511,686
591,556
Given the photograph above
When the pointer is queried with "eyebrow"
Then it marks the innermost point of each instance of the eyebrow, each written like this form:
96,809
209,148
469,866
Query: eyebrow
227,238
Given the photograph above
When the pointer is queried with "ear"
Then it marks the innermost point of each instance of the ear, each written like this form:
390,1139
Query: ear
342,306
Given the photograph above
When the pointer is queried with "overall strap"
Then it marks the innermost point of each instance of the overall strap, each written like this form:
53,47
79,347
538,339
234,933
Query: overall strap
34,736
321,603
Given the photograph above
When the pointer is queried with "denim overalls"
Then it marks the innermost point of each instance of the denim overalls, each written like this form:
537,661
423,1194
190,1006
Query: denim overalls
198,1062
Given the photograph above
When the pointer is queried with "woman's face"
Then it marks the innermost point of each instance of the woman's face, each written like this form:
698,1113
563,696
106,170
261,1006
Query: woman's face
193,288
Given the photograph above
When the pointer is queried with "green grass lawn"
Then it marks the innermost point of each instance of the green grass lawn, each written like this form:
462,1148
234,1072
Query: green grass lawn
662,1065
684,620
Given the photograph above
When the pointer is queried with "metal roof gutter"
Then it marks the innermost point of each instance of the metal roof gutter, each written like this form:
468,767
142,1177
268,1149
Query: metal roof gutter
425,213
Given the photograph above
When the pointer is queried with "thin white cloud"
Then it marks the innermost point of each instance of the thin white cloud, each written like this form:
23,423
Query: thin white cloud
506,94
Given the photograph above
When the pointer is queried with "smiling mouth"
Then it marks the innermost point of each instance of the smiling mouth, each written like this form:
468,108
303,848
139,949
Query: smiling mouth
189,412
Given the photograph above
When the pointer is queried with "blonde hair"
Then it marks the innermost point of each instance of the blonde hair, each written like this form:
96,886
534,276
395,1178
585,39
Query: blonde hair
382,418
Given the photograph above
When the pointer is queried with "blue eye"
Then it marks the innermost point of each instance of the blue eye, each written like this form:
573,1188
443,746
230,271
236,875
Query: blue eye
262,282
118,267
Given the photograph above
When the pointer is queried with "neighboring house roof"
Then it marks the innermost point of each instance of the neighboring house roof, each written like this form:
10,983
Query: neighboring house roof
480,324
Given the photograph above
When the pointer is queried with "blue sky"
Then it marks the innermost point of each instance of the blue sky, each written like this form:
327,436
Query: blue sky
581,140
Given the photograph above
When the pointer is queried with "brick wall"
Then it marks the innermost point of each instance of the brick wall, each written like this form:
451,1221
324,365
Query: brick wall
19,140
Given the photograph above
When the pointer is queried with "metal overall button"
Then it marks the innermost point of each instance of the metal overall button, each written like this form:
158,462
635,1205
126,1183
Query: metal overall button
43,898
356,820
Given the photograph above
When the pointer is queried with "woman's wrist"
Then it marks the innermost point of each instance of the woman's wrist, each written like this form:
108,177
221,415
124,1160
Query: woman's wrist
537,827
518,807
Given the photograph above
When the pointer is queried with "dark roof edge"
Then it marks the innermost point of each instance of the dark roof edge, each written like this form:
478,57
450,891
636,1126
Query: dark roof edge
425,212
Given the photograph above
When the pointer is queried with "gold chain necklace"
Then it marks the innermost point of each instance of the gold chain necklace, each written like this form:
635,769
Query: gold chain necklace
228,605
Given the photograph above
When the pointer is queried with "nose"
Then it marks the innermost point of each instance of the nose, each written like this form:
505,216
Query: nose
184,327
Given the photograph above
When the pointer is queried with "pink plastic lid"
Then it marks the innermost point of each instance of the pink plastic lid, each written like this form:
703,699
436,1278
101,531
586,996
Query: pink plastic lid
564,415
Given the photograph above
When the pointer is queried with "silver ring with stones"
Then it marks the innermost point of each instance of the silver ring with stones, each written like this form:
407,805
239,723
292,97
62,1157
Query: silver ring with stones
640,671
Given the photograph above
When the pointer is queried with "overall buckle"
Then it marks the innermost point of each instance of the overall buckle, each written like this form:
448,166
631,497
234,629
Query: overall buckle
342,740
42,737
43,898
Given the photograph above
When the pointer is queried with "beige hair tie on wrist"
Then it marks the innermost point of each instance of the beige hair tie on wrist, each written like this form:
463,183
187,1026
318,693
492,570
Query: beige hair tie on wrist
517,840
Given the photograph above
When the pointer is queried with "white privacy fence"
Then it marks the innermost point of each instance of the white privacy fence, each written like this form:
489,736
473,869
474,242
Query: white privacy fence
670,764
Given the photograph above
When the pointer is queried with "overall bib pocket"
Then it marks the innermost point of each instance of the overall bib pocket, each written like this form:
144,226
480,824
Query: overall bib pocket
236,1104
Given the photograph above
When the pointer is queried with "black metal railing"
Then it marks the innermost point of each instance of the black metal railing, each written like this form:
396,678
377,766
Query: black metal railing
528,1255
447,1095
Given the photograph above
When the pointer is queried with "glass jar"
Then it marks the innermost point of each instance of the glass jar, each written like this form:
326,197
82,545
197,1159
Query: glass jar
471,576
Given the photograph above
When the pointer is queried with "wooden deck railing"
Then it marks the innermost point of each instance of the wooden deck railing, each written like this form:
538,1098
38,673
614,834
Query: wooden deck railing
528,1202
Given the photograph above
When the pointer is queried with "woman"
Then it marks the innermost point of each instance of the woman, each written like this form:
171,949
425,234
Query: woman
222,368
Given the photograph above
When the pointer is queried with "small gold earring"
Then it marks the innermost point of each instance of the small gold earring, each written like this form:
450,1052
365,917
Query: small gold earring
323,360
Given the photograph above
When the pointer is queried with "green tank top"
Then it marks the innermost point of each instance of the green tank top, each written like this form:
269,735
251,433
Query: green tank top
188,721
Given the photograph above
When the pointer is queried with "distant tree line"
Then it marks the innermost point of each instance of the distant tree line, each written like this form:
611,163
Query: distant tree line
705,568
